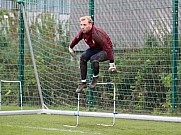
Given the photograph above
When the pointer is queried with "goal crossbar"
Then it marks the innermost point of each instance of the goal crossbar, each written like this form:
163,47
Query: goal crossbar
94,114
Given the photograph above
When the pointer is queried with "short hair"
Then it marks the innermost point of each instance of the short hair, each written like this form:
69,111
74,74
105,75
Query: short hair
86,18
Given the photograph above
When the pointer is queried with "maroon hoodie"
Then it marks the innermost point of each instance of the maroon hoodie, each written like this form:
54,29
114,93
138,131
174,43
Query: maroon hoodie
96,38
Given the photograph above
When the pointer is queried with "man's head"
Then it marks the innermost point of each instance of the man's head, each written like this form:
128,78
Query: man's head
86,23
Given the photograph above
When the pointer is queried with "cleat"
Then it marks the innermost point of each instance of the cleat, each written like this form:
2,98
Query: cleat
94,82
81,87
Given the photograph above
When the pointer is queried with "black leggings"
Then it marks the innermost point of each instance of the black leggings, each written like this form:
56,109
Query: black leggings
95,56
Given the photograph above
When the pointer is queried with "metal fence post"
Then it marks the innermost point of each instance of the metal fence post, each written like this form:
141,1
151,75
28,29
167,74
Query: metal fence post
174,53
90,91
21,50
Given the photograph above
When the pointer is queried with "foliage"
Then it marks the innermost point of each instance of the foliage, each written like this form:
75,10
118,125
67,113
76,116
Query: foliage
149,84
143,81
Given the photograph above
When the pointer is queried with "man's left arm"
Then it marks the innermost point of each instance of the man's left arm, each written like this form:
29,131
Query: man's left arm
105,42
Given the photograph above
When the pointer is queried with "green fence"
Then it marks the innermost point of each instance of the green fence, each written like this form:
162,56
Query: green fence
146,39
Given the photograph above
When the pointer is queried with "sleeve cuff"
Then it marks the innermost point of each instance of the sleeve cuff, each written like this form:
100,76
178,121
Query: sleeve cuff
111,61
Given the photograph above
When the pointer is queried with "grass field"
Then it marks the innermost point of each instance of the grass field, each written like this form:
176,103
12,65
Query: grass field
54,125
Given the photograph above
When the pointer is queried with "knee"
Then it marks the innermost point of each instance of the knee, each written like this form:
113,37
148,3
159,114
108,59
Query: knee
83,58
95,63
93,59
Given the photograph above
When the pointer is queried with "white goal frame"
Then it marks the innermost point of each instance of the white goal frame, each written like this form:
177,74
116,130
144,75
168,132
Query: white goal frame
20,92
114,105
114,110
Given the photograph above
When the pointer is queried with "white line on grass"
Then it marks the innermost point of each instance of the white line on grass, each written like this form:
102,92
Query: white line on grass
58,129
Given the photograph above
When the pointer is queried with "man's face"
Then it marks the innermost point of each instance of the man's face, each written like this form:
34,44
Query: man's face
85,26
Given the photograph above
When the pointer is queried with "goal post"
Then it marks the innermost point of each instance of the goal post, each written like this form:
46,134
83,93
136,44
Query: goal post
32,55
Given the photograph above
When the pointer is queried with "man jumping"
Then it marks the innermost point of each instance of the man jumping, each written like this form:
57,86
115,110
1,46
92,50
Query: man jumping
100,49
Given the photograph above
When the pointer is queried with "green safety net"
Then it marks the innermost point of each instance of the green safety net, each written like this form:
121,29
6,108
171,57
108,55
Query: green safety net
147,55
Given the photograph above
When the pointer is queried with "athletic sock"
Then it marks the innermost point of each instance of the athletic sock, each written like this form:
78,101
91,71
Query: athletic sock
84,81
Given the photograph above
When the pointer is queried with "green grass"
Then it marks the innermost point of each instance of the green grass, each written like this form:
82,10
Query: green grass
54,125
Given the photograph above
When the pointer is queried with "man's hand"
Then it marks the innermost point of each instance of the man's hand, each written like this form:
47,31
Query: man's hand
112,68
71,51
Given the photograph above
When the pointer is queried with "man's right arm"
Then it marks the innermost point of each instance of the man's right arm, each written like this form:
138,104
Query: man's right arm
76,40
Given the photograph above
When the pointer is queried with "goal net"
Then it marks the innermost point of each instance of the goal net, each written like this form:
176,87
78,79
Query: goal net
142,38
